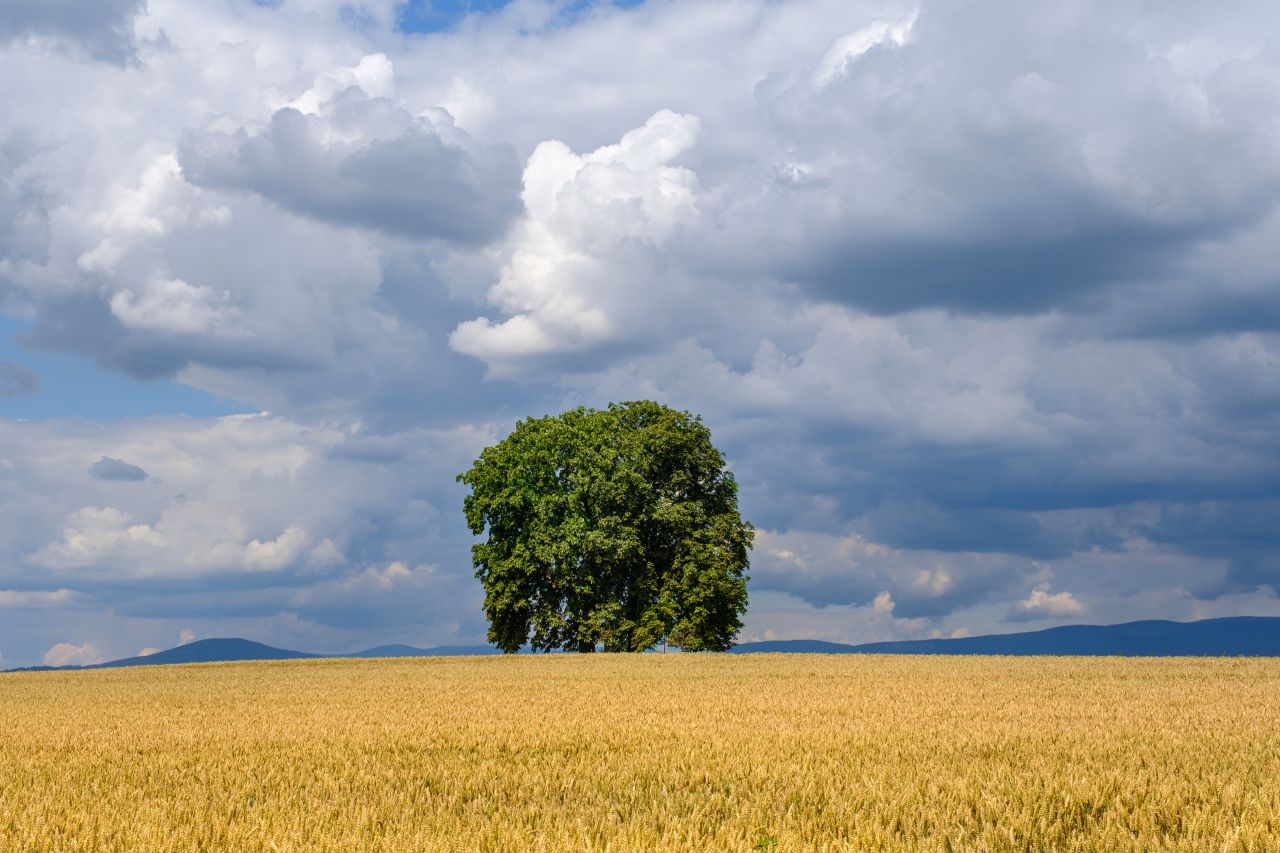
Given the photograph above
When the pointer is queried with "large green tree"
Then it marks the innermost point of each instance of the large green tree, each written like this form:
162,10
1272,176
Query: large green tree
617,528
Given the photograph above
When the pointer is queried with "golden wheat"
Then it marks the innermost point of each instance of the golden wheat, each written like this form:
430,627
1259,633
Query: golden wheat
652,752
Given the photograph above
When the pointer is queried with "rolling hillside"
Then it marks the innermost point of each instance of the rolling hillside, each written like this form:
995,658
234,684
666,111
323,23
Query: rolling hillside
1252,636
1248,636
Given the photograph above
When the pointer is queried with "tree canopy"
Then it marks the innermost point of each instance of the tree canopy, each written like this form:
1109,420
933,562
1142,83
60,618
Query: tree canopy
614,527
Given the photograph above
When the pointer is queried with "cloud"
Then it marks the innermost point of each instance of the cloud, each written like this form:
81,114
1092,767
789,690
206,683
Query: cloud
103,28
173,307
953,302
128,216
374,75
18,380
151,283
68,654
225,531
111,469
590,242
366,161
847,48
394,594
96,536
35,598
1240,532
276,553
822,569
202,519
1041,604
1011,187
186,636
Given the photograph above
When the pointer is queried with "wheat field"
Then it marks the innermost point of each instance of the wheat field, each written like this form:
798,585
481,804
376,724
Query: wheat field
651,752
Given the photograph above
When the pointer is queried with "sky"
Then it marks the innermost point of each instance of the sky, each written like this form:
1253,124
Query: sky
980,300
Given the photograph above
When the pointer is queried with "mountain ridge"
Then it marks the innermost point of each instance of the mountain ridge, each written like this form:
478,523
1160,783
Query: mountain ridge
1230,636
233,649
399,650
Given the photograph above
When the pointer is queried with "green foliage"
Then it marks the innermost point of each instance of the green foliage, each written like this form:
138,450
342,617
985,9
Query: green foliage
766,842
617,527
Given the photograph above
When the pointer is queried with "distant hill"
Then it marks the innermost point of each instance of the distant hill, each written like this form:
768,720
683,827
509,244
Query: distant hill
402,651
214,650
1252,636
229,649
209,651
1249,636
795,647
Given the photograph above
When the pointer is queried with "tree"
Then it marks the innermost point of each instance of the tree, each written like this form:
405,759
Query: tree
617,527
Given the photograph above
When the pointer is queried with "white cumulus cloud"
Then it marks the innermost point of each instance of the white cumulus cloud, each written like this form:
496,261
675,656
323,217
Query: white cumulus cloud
1042,604
587,250
277,553
69,654
174,307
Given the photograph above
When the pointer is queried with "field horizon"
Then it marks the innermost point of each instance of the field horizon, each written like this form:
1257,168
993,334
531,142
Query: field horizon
670,752
1233,636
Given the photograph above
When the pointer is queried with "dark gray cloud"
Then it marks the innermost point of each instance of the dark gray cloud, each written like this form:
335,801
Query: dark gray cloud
1019,176
102,27
85,323
18,380
23,216
416,178
116,470
1005,273
1243,534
